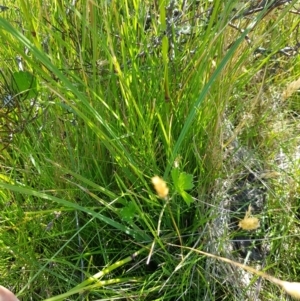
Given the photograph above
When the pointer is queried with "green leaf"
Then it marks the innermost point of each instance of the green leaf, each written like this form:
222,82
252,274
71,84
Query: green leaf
69,204
186,181
187,198
183,181
128,212
24,83
175,177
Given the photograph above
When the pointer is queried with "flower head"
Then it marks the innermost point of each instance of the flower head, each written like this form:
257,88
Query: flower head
249,222
292,288
160,187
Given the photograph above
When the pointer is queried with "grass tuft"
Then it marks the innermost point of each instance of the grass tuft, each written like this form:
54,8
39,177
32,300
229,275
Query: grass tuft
98,98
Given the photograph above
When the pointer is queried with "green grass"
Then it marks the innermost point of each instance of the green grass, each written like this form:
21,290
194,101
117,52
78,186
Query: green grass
117,105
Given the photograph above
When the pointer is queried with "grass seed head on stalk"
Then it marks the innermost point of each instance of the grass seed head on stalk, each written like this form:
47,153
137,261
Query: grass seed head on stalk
292,288
290,89
249,222
160,187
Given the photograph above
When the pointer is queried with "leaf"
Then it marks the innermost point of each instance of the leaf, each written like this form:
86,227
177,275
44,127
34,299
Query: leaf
182,182
68,204
187,198
185,181
3,8
24,83
175,177
128,212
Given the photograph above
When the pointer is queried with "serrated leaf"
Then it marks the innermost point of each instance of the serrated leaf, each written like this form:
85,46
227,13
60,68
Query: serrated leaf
187,197
182,180
185,181
24,83
128,212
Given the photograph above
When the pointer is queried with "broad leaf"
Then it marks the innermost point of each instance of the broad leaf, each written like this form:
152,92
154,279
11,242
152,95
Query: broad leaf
186,181
128,212
187,198
24,83
182,182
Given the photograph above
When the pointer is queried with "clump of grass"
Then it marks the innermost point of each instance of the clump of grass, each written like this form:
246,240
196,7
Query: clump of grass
128,90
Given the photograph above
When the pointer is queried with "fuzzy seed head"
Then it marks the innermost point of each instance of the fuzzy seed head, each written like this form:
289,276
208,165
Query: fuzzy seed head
249,222
291,89
160,187
292,288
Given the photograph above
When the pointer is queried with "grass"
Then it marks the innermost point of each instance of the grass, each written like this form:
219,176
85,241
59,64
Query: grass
119,102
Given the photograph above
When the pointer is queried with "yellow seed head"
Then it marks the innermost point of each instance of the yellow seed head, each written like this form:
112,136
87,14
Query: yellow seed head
160,187
249,222
292,288
291,89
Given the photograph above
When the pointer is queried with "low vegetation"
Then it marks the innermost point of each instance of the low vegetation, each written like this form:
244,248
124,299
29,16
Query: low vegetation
140,137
